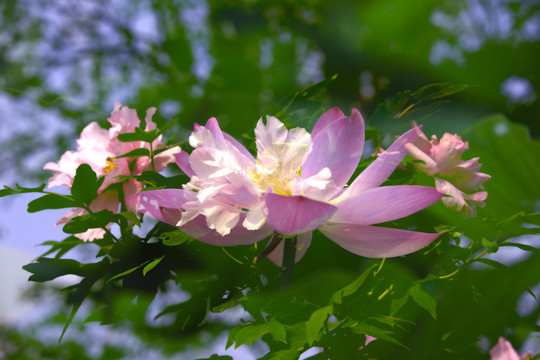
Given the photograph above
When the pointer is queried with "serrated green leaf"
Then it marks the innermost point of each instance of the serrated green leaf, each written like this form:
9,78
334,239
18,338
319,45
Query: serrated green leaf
136,153
423,299
52,201
316,322
174,238
20,190
80,224
85,184
152,265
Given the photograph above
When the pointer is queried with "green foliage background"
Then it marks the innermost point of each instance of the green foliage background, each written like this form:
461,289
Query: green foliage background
434,304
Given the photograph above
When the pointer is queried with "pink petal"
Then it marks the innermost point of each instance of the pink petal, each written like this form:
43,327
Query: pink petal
385,164
213,126
339,147
503,351
239,235
302,243
290,215
326,119
182,160
385,204
376,242
166,157
239,147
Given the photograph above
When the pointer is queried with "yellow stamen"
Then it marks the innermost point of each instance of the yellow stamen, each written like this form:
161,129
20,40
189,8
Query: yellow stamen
110,166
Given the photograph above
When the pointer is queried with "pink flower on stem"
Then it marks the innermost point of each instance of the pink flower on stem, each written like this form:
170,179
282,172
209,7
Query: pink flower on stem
296,184
100,148
443,158
504,351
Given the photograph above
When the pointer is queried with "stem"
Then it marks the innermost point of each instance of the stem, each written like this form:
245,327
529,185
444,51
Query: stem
287,269
152,157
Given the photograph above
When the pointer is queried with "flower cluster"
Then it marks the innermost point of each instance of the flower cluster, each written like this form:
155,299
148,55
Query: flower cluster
101,149
456,178
297,183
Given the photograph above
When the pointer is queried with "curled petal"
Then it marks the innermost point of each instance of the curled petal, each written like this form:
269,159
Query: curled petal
385,204
379,170
376,242
302,243
338,147
290,215
327,118
458,200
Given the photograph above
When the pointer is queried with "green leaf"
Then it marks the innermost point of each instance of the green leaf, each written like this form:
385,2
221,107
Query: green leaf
136,153
131,217
437,91
20,190
422,298
397,304
80,224
152,265
352,287
492,263
139,135
248,334
277,330
231,337
316,323
217,357
174,238
288,354
129,271
85,184
45,269
52,201
168,126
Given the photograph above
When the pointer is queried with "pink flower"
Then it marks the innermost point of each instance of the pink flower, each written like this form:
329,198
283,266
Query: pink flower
100,148
458,176
504,351
296,184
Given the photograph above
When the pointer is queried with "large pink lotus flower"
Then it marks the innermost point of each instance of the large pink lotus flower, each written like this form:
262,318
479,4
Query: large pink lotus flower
504,351
100,148
296,184
456,177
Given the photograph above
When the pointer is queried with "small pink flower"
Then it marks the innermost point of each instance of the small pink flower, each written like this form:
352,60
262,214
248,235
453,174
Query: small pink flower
504,351
443,158
100,148
296,184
